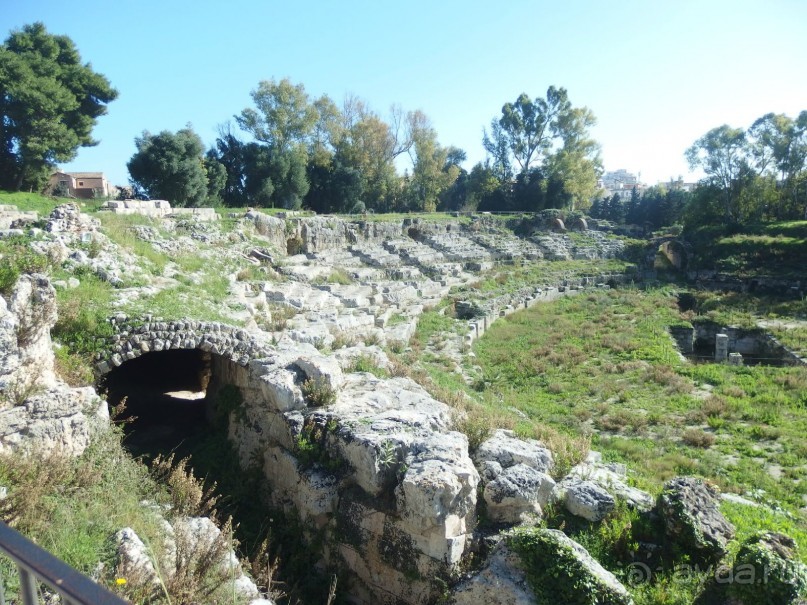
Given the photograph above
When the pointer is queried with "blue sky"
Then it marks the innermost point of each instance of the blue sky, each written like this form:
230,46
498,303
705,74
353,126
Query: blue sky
657,74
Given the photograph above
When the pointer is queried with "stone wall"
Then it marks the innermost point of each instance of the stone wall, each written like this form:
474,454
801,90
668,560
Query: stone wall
525,298
374,468
158,208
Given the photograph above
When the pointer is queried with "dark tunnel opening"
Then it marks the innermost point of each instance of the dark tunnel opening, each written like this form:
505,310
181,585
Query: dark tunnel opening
166,398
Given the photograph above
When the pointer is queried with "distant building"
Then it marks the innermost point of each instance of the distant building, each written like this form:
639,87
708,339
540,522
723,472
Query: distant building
620,182
86,185
679,185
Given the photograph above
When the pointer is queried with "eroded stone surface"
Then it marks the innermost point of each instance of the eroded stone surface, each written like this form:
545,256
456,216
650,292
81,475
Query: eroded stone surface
501,580
690,508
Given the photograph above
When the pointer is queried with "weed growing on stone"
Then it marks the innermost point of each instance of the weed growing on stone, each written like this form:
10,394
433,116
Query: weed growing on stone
318,393
366,363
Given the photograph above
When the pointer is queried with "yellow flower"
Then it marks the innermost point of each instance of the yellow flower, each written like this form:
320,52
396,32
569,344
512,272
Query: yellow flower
120,581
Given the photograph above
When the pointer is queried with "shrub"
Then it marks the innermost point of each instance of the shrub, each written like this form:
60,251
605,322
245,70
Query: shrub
366,363
318,392
74,369
698,438
17,257
189,496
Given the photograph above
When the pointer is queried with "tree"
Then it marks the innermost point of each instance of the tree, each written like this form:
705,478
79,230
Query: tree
284,115
432,172
778,147
548,140
216,180
170,166
498,149
49,104
284,120
721,153
577,163
530,126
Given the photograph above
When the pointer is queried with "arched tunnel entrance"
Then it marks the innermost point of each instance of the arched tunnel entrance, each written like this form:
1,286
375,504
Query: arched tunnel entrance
166,396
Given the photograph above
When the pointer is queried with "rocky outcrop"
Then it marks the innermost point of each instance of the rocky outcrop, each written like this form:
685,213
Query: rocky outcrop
692,518
370,464
515,477
585,498
37,410
67,218
501,580
611,478
190,545
26,356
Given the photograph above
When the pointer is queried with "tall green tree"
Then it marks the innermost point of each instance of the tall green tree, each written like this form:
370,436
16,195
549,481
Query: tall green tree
170,166
432,172
529,126
545,139
577,163
722,154
778,148
49,104
284,119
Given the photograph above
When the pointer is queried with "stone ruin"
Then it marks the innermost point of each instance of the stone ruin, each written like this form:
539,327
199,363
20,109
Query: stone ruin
373,468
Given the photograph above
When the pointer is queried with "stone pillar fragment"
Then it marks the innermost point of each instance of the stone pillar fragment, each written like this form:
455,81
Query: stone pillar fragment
721,348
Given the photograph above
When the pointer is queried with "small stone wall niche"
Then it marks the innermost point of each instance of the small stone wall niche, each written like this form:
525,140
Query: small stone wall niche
706,341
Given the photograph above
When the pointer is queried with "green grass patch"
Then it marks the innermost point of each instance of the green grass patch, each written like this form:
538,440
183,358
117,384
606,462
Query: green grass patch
777,249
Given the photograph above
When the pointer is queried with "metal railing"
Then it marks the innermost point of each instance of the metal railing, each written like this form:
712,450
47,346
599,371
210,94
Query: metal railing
37,565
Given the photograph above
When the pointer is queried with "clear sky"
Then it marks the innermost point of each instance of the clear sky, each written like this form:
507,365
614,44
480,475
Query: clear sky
657,74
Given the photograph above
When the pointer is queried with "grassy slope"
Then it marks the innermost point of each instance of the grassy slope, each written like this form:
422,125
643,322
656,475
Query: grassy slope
772,249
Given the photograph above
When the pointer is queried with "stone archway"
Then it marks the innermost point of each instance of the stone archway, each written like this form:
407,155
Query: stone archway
375,464
676,254
135,339
169,375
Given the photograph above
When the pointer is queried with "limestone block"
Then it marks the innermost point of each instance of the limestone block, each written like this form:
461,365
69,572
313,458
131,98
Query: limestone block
309,493
281,391
612,479
133,556
517,491
431,490
507,449
690,508
501,581
59,419
323,370
584,498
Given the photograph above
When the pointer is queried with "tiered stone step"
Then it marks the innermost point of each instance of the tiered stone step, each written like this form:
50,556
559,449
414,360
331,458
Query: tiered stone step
375,256
300,296
426,258
460,249
552,248
506,247
353,296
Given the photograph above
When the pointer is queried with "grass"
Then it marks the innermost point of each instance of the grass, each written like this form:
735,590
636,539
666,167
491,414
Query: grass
72,507
120,229
602,364
83,314
600,369
508,279
777,249
42,204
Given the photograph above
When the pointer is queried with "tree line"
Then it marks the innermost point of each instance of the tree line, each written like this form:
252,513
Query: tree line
291,150
313,153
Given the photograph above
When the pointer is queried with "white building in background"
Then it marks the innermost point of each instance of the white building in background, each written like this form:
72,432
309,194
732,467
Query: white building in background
620,181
